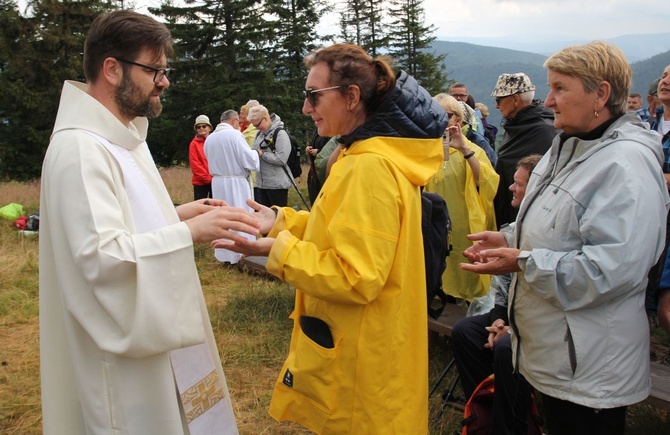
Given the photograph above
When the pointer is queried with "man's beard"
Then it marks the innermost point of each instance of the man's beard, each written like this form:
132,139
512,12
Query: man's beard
132,104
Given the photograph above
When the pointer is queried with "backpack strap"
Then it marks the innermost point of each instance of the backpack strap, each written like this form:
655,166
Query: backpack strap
274,139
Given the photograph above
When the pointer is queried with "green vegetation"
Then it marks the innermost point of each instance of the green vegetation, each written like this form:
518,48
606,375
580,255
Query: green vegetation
226,54
249,315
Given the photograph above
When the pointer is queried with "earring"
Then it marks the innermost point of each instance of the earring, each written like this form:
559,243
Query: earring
595,113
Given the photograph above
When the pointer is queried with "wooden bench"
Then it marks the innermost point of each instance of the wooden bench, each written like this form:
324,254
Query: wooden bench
660,374
451,314
660,387
254,264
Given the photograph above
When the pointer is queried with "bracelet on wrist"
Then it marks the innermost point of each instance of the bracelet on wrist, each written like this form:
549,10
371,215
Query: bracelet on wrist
468,155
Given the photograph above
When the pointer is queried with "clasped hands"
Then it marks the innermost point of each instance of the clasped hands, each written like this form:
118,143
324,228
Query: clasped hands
260,246
214,221
490,254
496,330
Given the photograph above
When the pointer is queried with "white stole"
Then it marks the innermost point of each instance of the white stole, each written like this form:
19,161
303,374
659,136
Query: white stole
203,394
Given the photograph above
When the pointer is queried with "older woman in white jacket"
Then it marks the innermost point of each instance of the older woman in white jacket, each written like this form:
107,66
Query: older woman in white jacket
590,227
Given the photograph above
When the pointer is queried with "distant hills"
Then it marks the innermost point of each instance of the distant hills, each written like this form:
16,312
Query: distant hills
478,66
635,47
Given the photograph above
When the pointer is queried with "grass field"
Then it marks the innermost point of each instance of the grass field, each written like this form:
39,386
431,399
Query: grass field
249,314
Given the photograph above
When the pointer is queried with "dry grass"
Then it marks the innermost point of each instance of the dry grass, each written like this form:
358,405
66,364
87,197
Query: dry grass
249,314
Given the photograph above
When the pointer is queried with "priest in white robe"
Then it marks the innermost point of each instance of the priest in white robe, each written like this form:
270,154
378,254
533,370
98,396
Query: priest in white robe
126,342
230,162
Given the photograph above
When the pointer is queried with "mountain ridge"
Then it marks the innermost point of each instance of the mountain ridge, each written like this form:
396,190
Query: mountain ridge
478,66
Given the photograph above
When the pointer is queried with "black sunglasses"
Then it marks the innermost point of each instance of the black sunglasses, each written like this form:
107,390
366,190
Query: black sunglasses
311,97
159,73
499,99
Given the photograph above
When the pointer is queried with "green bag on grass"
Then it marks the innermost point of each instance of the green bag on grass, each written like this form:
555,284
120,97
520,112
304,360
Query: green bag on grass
12,211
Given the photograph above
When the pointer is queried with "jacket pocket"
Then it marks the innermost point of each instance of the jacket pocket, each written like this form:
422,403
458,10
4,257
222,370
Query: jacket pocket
313,370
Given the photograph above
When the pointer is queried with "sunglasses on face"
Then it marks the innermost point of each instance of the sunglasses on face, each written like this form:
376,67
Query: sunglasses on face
159,73
200,127
499,99
311,96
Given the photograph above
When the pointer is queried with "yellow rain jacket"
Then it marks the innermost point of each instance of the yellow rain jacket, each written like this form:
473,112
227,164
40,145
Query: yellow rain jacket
471,211
357,263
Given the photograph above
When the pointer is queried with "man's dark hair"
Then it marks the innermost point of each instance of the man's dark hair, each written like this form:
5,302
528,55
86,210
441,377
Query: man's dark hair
123,34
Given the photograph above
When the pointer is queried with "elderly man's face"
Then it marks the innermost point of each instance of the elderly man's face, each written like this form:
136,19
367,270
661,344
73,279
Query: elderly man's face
634,104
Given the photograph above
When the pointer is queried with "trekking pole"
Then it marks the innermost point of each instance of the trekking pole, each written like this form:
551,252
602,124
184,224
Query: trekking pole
290,177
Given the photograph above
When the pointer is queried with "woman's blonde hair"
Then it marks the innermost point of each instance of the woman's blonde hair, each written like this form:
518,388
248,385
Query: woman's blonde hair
256,113
595,62
450,104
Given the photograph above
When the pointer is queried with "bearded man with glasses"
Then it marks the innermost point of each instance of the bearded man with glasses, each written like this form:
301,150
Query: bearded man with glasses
125,337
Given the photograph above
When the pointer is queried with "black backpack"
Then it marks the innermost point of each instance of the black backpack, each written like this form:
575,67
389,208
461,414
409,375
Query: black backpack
294,157
436,232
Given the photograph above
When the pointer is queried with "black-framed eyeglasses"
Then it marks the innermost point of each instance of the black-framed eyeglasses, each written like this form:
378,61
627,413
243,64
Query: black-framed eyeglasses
159,73
463,96
257,125
311,97
499,99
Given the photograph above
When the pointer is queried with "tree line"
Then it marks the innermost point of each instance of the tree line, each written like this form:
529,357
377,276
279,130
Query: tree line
226,52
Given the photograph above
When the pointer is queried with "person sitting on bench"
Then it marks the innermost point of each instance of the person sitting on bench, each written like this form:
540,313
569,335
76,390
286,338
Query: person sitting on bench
481,343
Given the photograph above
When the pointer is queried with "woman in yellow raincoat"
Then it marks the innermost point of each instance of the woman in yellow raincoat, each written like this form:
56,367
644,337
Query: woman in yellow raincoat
358,360
467,182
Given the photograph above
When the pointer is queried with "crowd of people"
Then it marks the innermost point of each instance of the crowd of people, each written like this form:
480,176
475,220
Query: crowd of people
559,220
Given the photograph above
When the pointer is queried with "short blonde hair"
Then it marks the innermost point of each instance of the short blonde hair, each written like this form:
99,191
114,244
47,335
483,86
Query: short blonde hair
595,62
450,104
483,109
256,113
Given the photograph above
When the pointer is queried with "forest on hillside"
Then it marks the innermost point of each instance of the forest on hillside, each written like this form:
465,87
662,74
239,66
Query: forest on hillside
226,53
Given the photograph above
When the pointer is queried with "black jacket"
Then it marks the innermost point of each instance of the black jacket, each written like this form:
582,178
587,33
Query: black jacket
531,131
407,111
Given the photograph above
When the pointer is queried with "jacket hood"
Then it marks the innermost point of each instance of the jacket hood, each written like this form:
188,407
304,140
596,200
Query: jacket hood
417,159
408,111
75,101
276,123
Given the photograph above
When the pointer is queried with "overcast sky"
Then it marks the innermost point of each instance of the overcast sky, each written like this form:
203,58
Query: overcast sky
575,19
570,19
